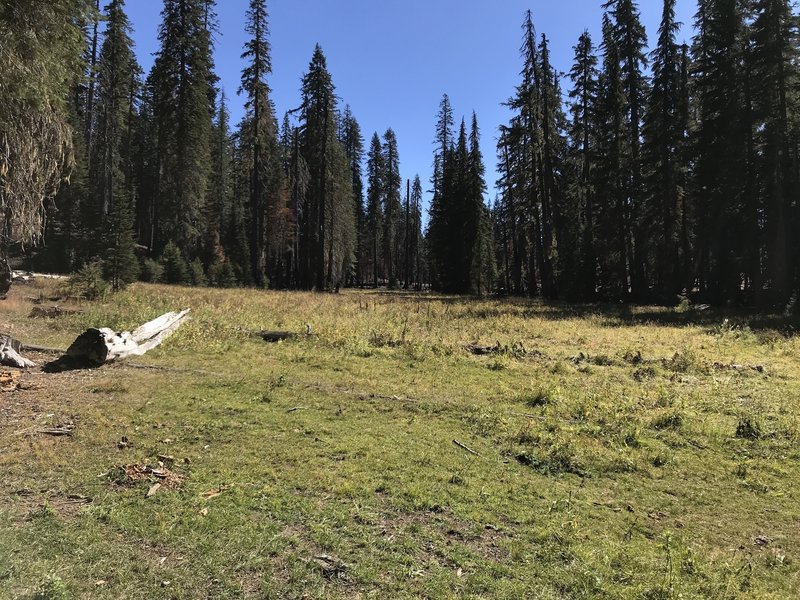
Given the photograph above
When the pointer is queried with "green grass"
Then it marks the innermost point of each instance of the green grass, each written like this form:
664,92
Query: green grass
620,454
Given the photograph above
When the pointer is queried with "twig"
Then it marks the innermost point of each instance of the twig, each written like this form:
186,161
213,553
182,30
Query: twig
467,448
296,408
56,432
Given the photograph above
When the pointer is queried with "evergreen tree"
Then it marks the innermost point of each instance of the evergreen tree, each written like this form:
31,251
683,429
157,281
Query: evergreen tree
375,186
353,142
297,178
41,47
440,210
391,208
415,241
182,81
611,181
721,161
581,166
266,175
110,175
326,219
478,237
630,40
218,205
664,131
176,269
774,81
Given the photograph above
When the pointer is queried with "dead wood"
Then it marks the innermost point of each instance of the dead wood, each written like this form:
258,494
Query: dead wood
51,312
57,432
467,448
99,346
10,353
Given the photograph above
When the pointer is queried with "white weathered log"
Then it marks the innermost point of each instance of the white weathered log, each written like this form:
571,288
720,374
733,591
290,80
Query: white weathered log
102,345
10,354
28,276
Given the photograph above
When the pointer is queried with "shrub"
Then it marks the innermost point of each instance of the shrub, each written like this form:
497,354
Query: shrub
541,396
749,428
53,588
152,271
670,420
222,274
197,273
175,268
682,362
89,282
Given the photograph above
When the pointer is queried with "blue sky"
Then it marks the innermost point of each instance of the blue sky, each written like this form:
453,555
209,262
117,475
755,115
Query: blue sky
392,60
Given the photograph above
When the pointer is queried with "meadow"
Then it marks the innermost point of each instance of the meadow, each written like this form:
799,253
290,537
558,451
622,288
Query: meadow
413,446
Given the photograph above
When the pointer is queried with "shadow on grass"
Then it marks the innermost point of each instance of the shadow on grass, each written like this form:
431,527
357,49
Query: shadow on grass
613,315
69,363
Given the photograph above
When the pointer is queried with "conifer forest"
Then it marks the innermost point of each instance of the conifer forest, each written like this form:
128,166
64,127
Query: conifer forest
646,171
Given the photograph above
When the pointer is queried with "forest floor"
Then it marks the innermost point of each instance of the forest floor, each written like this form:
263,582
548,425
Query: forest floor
591,452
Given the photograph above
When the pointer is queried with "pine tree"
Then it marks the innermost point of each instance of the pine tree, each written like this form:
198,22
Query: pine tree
182,81
353,142
631,41
375,194
218,205
721,162
774,80
581,166
391,208
266,175
663,134
326,219
478,236
416,241
297,178
440,209
42,45
611,181
113,202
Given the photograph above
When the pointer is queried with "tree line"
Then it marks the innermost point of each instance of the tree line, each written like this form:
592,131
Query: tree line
165,188
639,175
664,175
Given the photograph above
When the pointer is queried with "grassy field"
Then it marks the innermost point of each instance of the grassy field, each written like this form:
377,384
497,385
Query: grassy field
618,453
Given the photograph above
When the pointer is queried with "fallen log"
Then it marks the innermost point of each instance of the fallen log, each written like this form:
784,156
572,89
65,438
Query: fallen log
51,312
99,346
10,354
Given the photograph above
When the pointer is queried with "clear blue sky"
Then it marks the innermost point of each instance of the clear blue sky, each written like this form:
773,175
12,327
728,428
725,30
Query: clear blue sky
392,60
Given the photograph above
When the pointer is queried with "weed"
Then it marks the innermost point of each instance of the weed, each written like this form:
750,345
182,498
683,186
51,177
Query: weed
53,588
644,374
603,360
560,368
660,460
541,396
669,420
633,357
749,428
682,362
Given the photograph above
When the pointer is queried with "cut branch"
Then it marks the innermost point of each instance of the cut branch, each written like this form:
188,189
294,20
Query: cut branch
10,354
